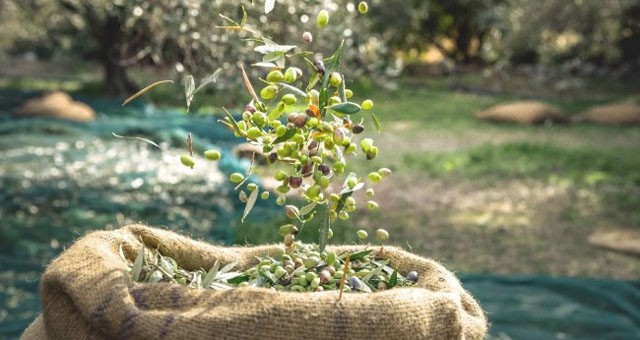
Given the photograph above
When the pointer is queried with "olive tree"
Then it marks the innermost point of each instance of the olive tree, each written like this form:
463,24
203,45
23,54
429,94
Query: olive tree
581,30
186,34
457,28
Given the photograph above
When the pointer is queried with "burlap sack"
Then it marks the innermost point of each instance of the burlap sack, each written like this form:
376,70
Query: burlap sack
57,105
617,113
87,293
524,112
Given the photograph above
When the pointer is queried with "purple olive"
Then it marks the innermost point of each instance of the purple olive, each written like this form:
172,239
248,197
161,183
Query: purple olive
412,276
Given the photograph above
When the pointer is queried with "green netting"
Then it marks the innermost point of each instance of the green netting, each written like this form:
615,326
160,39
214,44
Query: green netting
60,179
538,307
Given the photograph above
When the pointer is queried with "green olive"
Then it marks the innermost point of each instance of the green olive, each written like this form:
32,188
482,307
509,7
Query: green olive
289,99
374,177
187,161
335,79
363,8
331,257
236,177
259,118
367,104
280,175
382,234
370,192
313,191
254,133
212,155
384,172
372,205
269,92
290,75
348,93
275,76
323,18
362,234
366,144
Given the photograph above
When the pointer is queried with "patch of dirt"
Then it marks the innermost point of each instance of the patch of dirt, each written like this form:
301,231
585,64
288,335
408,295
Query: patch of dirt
513,227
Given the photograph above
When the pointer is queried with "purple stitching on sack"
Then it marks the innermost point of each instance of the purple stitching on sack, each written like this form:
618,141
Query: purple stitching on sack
166,326
176,297
99,313
128,324
138,297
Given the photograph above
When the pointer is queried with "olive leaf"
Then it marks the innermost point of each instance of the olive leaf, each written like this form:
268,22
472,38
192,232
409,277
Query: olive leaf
145,90
228,267
360,255
268,6
238,279
272,57
137,266
220,286
376,122
230,121
248,86
293,89
234,25
347,108
347,190
265,65
276,112
376,271
136,138
314,78
211,275
167,265
324,230
342,91
332,63
287,135
393,280
271,47
267,275
121,252
208,80
189,89
307,208
251,201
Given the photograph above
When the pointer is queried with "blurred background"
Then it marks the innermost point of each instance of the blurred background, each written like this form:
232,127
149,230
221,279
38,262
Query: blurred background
512,128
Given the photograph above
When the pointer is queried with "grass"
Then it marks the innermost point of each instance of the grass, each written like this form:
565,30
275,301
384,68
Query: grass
511,161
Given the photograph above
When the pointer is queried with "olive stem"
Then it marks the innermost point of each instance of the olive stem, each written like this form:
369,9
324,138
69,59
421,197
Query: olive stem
165,273
342,279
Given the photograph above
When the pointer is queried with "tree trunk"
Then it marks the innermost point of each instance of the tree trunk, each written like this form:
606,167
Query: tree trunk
117,83
111,39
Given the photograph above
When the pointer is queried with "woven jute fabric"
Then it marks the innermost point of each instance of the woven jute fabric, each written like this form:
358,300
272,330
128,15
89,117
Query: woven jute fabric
88,293
523,112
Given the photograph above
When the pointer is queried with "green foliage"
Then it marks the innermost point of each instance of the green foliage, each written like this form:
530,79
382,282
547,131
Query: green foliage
552,30
191,37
